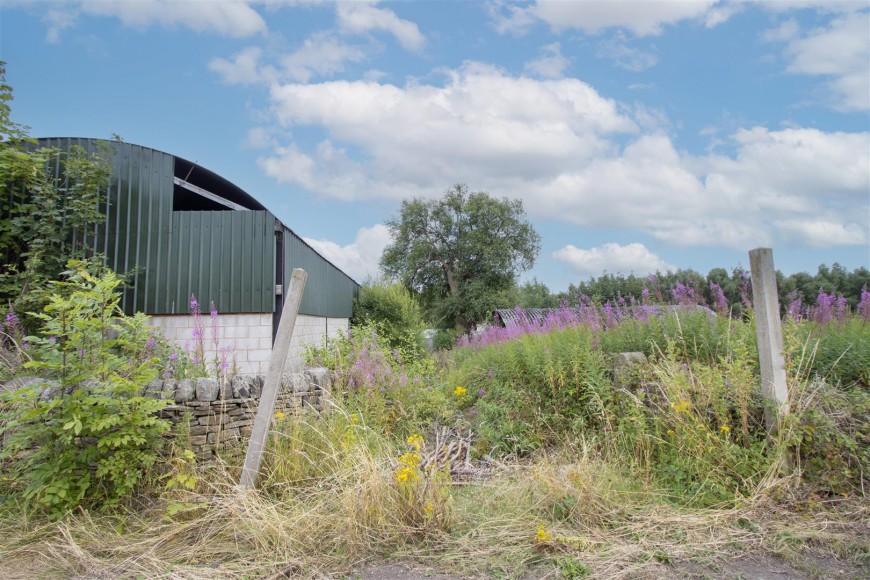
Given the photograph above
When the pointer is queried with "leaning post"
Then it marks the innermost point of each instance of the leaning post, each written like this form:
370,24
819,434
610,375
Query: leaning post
768,330
266,408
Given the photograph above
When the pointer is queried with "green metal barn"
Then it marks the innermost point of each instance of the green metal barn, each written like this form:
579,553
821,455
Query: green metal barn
183,230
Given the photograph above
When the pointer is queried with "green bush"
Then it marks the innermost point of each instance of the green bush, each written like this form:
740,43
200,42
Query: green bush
92,441
395,313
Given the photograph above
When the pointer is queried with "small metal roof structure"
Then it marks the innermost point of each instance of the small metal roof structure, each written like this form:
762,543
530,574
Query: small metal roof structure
536,317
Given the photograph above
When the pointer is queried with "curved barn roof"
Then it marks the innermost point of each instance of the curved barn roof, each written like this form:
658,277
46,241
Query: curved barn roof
180,228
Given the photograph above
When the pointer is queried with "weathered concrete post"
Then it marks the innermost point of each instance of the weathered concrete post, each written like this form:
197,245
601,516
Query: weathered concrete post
768,330
257,443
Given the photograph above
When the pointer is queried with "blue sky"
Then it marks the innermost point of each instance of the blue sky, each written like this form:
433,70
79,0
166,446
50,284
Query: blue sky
640,135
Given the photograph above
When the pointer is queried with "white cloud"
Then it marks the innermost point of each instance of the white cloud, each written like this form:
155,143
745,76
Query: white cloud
260,138
419,137
641,17
625,56
363,17
786,31
612,258
554,143
552,63
233,18
509,18
322,55
244,68
818,232
840,52
360,259
833,6
57,21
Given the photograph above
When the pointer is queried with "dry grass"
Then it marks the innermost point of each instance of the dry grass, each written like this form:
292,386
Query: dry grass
346,508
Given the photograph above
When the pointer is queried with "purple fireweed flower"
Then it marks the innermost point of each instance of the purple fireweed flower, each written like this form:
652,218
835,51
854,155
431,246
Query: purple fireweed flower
173,356
745,287
841,309
52,339
683,295
480,392
864,305
720,302
823,311
215,328
150,343
795,305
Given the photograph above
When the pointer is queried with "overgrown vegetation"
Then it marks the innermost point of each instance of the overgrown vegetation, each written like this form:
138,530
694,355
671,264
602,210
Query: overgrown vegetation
520,447
85,435
50,204
572,469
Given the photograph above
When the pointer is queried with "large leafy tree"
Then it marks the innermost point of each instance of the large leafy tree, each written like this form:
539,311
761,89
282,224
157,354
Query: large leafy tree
460,252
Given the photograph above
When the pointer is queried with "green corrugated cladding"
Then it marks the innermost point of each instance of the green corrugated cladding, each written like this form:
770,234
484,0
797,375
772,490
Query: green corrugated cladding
225,257
328,290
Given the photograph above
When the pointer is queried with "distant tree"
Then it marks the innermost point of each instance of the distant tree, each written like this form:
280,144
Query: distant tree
461,253
535,294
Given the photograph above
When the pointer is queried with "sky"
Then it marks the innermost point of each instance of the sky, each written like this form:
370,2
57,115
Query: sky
641,136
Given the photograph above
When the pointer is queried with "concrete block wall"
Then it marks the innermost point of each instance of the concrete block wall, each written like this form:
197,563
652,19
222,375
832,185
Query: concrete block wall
312,330
248,337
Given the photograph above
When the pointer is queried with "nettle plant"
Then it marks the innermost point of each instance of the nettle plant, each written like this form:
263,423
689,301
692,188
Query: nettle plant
90,438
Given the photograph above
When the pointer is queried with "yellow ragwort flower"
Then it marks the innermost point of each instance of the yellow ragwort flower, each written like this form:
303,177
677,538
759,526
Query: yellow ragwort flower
405,474
460,391
415,441
428,510
279,415
682,406
671,432
543,535
409,459
725,429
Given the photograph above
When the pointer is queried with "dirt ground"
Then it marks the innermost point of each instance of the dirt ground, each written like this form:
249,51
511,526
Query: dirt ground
806,566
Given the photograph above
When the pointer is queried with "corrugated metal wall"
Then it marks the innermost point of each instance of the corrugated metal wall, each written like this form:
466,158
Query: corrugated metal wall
328,291
223,256
226,257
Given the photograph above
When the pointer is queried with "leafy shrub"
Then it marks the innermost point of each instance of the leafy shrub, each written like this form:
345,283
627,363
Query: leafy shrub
93,439
393,311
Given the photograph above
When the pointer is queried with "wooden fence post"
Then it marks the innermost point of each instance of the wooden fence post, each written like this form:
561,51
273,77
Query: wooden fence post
768,330
266,408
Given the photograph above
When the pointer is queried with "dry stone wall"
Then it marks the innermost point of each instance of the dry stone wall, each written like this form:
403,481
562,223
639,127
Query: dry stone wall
217,415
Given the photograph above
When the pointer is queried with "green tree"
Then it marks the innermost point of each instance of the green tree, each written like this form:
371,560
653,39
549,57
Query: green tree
50,203
461,253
